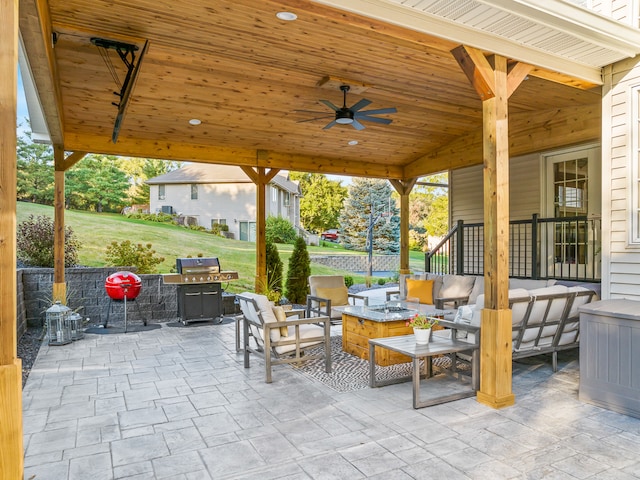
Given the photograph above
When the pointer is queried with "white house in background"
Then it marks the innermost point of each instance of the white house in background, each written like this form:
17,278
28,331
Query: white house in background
222,194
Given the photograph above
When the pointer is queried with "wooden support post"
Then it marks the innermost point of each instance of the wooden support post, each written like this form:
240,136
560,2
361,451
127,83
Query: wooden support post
261,178
494,84
59,285
11,446
404,187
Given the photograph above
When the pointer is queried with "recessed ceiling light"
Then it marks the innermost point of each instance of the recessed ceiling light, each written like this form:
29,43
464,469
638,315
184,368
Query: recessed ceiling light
195,121
287,16
353,142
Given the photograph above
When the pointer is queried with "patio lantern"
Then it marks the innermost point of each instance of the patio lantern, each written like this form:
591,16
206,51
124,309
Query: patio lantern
75,323
58,324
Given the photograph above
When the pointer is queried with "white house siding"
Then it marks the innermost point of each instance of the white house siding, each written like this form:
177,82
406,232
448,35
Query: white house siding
621,10
620,258
467,203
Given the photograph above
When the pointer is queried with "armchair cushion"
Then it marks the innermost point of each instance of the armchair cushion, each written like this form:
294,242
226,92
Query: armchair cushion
339,296
420,289
267,312
281,316
455,286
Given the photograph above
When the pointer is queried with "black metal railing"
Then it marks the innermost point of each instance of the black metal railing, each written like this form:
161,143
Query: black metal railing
564,248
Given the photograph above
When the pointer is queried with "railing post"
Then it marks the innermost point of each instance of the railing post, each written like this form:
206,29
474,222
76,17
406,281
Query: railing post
460,248
535,273
427,261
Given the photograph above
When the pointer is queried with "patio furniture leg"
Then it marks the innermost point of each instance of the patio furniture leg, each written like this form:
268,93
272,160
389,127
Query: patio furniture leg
416,379
245,328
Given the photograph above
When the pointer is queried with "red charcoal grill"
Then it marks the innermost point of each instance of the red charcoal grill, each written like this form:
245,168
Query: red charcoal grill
123,286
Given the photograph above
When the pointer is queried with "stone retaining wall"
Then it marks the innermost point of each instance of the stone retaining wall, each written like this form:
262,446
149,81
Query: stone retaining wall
359,263
86,293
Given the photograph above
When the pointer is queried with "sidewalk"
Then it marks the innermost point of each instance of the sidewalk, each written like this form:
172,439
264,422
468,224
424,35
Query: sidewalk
176,403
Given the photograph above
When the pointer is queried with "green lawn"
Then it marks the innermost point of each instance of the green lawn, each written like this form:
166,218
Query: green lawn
96,230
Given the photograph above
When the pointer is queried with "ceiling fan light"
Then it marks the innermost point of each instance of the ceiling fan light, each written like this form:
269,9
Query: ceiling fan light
344,120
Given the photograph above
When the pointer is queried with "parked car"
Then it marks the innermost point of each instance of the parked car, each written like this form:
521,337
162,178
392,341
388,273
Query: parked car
331,235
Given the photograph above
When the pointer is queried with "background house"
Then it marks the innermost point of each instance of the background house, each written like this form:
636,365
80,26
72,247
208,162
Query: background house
222,194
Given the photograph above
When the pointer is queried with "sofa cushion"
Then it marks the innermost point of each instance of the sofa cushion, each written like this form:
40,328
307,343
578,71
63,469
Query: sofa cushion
478,289
529,283
420,289
437,283
266,309
338,295
454,286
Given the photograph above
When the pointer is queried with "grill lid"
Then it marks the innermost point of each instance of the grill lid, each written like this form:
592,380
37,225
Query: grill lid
198,265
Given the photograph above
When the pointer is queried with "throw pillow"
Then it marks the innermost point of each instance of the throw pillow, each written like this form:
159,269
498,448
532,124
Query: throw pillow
420,289
281,316
338,295
454,286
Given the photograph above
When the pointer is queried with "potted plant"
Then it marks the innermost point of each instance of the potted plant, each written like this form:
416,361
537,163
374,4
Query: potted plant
422,327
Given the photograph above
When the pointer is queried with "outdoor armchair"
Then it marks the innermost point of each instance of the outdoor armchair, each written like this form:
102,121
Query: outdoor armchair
328,293
281,340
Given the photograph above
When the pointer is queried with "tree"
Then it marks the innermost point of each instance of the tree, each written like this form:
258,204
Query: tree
96,183
428,211
274,269
279,230
139,170
321,201
35,171
370,206
298,273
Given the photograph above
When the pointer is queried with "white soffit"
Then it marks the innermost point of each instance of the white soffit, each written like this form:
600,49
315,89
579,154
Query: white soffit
38,125
551,34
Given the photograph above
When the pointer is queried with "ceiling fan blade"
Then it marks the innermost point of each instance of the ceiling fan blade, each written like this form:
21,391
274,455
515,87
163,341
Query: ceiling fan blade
316,118
330,105
385,121
361,104
313,111
330,124
357,125
379,111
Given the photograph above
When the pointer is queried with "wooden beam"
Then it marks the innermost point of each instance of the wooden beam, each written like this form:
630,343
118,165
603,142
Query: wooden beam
59,285
529,132
477,69
69,161
229,156
404,187
36,31
495,341
11,442
517,73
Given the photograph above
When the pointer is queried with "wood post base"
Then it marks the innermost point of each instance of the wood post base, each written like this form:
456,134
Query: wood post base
11,446
496,359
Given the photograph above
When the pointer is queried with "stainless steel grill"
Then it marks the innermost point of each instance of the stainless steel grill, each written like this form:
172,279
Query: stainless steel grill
199,288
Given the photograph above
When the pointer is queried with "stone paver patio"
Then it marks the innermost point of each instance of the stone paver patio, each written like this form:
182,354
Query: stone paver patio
176,403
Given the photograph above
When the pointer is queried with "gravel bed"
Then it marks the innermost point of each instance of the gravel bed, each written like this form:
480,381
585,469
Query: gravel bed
28,348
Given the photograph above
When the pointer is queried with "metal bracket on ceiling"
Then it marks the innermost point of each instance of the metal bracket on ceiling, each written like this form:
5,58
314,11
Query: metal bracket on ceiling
127,53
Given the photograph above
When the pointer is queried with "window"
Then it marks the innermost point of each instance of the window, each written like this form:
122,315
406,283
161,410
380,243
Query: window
287,199
161,194
274,194
221,221
194,192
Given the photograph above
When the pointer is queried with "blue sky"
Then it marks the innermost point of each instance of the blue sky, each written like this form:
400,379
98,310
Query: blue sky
22,102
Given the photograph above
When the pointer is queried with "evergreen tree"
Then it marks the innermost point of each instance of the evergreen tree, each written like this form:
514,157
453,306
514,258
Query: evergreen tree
298,273
96,183
369,205
274,268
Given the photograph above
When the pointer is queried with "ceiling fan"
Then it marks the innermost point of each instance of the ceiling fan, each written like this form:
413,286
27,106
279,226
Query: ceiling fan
352,115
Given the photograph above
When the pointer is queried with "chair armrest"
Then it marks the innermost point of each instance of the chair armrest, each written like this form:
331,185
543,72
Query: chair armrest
390,293
457,301
455,326
296,312
355,297
318,307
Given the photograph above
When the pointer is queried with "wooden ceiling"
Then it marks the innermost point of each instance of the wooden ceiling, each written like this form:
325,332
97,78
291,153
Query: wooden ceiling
245,74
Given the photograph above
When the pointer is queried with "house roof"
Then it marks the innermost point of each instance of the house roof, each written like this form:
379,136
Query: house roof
255,82
203,173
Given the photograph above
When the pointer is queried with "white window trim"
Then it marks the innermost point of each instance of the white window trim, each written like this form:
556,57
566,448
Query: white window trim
634,159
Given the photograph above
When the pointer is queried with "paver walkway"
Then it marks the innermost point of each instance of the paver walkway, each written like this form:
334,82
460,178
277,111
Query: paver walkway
176,403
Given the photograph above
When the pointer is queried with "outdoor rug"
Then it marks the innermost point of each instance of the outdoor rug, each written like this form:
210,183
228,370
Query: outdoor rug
351,373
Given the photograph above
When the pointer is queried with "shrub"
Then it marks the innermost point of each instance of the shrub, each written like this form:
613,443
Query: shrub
127,254
279,230
348,281
298,273
35,243
218,228
381,281
274,269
